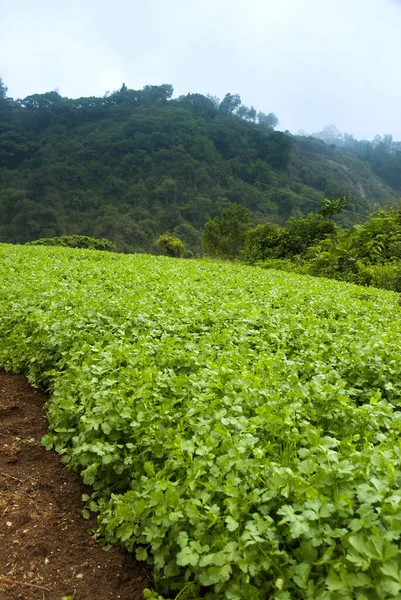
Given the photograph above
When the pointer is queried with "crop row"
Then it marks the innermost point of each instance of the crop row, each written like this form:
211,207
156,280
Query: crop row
240,427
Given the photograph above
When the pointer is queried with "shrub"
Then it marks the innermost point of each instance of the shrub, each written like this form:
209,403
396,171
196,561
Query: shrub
386,276
169,245
76,241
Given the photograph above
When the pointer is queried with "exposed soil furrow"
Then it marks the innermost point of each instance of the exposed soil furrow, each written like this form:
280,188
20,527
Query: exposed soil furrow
46,551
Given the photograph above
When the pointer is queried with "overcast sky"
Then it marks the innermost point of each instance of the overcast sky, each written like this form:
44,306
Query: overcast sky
311,62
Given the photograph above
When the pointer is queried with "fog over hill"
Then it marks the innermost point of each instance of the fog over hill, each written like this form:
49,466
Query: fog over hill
314,63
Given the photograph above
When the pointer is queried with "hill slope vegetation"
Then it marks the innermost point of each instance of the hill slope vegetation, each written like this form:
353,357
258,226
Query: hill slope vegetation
136,164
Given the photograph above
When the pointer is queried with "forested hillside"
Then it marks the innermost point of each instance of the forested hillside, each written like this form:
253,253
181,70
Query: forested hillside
382,153
132,165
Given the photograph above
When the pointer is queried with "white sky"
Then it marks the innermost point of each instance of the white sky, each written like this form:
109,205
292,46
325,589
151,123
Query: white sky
311,62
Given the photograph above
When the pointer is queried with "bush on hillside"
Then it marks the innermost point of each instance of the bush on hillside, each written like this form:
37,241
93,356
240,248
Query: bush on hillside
76,241
169,245
271,241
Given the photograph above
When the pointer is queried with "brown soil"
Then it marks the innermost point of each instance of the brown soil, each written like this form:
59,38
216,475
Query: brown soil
46,551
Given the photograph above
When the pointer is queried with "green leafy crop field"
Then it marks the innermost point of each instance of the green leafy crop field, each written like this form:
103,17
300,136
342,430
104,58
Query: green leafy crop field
240,427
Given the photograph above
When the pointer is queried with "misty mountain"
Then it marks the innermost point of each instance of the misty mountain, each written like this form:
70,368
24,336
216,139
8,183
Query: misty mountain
136,163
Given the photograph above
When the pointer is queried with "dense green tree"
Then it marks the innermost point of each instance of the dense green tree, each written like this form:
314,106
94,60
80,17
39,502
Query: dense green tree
212,237
261,243
230,103
199,105
268,122
300,234
166,191
224,236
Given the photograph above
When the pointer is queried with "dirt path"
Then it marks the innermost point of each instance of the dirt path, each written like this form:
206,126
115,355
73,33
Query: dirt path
46,552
